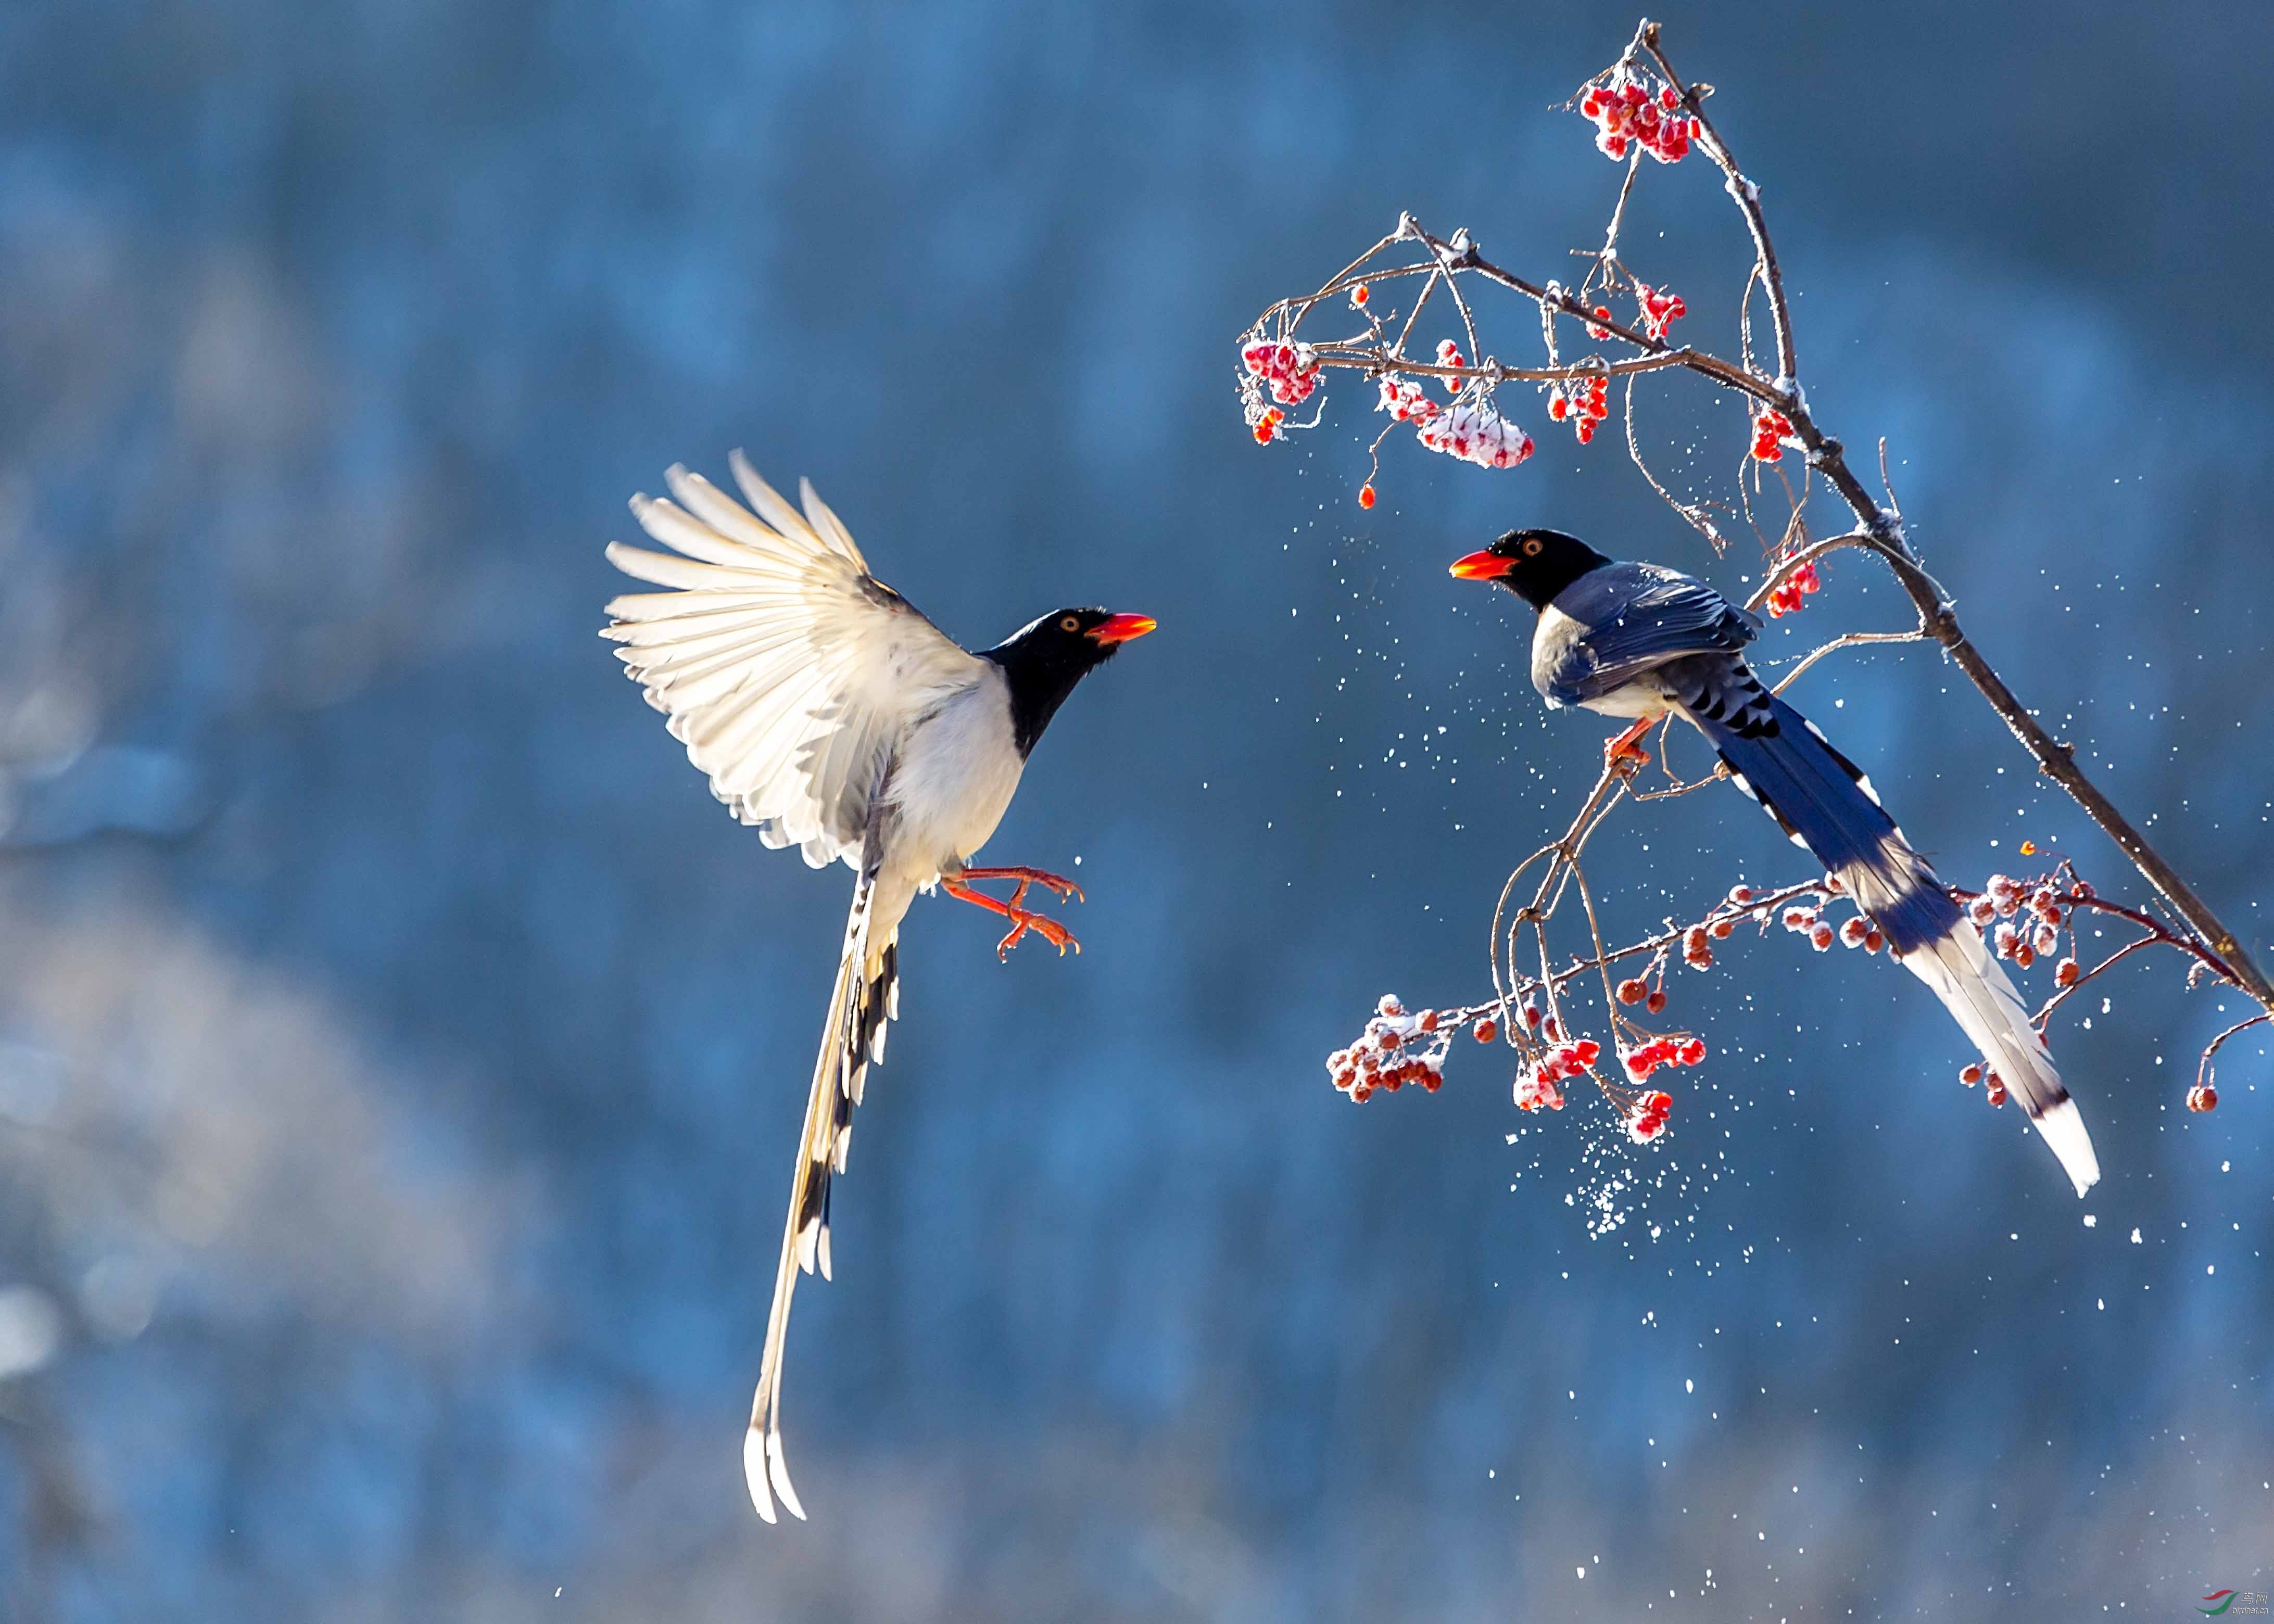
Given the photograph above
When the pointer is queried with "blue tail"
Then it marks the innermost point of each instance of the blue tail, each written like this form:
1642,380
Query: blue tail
1824,802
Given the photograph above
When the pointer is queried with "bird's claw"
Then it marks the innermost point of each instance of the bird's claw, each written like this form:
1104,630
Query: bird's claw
1050,931
1624,754
1064,889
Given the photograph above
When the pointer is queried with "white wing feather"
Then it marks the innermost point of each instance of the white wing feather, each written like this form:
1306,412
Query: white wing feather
787,671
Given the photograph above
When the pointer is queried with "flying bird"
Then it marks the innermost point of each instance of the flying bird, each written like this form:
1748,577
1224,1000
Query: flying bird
831,715
1638,641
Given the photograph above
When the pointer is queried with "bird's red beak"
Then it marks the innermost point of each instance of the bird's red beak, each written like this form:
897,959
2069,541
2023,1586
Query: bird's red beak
1486,565
1122,628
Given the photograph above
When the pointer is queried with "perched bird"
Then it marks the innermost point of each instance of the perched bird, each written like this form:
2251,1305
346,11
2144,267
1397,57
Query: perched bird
831,714
1638,641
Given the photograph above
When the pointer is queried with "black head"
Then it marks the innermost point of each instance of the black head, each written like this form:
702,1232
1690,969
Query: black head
1535,565
1042,661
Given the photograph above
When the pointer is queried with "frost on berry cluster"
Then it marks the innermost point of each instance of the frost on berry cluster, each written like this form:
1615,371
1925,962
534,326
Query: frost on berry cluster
1474,431
1638,110
1588,403
1288,372
1792,592
1536,1085
1395,1049
2024,919
1470,427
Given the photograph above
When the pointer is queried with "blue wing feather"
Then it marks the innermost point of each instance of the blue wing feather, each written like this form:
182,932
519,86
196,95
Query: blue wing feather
1622,619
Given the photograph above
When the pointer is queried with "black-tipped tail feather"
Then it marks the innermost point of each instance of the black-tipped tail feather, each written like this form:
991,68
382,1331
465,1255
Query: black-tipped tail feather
1824,803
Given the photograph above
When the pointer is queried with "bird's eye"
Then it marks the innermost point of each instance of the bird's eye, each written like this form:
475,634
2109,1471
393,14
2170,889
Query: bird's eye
1069,624
1531,547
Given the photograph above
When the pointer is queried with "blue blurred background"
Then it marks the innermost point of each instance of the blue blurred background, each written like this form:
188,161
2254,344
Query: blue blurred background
401,1054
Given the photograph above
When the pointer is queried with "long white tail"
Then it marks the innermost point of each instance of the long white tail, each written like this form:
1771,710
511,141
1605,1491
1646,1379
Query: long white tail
852,1035
1980,996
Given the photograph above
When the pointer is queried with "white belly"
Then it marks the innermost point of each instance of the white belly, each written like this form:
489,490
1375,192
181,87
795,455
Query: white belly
956,780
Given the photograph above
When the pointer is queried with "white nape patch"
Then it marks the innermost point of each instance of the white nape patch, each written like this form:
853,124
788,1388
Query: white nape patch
1863,783
754,1473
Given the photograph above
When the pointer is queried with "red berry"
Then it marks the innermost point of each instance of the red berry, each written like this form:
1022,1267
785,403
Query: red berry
1820,937
2202,1097
1970,1074
1655,1002
1487,1029
1633,991
1722,928
1558,408
2066,973
1263,433
1358,295
1996,1094
1365,496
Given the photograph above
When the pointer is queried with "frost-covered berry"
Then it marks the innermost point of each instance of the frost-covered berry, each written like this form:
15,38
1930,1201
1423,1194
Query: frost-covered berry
1365,496
1982,911
2202,1097
1633,991
1970,1074
1820,937
1391,1006
1359,296
2066,973
1486,1030
1852,931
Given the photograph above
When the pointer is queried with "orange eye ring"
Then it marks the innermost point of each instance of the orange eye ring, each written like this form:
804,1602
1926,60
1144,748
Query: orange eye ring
1531,547
1069,623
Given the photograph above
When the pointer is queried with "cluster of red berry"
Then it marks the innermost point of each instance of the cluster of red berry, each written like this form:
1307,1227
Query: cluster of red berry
1396,1048
2202,1097
1659,307
1644,1059
1405,402
1649,1118
1291,372
2029,922
1535,1088
1698,941
1970,1075
1791,593
1628,112
1770,426
1634,990
1475,432
1588,403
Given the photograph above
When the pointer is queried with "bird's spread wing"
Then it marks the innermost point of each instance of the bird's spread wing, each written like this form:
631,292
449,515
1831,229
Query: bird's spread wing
1616,622
789,672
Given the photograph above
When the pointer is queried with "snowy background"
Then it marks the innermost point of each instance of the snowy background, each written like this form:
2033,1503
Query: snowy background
401,1054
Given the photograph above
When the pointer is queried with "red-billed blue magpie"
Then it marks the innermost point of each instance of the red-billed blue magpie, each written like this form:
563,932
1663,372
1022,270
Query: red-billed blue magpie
1638,641
833,717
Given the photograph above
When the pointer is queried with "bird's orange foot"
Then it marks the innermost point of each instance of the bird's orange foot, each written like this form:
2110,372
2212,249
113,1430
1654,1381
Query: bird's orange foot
1057,884
1022,920
1625,754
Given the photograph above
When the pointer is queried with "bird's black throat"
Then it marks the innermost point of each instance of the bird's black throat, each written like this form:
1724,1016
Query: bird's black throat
1043,662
